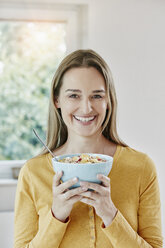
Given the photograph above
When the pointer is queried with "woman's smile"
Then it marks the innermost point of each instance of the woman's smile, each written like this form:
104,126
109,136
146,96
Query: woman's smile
85,121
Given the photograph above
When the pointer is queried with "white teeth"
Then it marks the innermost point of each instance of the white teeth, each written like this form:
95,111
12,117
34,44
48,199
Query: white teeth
84,119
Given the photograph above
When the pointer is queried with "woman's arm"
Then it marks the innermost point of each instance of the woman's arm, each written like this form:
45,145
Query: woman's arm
27,232
149,235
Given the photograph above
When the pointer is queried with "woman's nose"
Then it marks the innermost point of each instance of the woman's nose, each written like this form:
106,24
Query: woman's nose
86,106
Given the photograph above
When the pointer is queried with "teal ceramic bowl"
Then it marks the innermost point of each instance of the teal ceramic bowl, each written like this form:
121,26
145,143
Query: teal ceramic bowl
84,172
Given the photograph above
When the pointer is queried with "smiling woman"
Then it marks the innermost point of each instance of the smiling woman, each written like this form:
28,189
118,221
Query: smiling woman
124,210
94,74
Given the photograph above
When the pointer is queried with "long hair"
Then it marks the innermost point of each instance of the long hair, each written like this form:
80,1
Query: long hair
56,129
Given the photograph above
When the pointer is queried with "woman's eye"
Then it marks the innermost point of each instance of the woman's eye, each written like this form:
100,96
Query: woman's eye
97,96
73,96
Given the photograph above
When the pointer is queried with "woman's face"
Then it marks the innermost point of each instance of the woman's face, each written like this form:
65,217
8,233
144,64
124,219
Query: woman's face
83,101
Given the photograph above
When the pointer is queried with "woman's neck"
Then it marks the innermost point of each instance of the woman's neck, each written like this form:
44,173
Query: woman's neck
93,144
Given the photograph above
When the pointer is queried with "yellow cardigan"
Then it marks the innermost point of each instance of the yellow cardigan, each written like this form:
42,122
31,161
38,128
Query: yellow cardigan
134,191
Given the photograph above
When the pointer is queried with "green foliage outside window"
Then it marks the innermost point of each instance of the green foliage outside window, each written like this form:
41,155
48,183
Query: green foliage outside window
29,55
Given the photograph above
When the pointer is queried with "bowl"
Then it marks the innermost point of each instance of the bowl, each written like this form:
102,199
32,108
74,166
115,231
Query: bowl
83,171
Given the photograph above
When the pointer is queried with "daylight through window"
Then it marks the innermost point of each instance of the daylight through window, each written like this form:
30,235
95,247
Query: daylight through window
29,55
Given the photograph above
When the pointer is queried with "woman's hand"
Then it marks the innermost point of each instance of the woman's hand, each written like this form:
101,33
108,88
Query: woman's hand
64,198
100,199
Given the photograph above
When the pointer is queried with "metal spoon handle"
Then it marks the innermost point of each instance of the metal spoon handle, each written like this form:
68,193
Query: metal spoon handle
43,143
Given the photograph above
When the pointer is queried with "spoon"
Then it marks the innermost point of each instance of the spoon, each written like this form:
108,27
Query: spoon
44,144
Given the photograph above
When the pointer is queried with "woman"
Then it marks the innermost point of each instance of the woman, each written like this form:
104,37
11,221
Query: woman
122,212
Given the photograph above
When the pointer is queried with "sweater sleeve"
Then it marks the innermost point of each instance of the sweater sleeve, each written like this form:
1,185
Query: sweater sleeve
27,233
149,234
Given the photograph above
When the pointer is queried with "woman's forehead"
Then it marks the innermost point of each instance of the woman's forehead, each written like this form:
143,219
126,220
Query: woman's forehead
80,78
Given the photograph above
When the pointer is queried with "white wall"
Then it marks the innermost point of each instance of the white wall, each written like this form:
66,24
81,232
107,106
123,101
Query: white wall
130,36
6,229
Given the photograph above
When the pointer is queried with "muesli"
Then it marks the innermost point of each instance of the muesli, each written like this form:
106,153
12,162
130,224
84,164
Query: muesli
82,159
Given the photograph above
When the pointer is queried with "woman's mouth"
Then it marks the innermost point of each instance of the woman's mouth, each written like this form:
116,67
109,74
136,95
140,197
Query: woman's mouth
85,120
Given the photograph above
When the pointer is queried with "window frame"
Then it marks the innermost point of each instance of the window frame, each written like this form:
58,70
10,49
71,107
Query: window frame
70,14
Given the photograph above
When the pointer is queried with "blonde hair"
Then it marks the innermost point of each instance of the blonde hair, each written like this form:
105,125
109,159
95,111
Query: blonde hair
56,128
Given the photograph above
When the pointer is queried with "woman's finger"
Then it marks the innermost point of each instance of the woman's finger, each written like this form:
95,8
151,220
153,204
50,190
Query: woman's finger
88,201
96,187
63,186
56,178
105,180
90,194
72,192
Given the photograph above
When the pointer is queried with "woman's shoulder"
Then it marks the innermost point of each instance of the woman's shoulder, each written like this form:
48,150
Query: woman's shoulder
135,164
37,159
39,162
136,158
133,153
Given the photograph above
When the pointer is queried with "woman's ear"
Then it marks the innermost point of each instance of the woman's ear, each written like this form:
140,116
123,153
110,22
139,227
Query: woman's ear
57,103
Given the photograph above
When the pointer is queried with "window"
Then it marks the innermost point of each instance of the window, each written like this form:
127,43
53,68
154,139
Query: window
29,55
33,40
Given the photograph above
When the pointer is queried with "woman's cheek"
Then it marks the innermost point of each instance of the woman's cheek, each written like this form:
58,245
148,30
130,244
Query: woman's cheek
70,106
101,105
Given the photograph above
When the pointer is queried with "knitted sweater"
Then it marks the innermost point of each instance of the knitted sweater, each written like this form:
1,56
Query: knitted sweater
134,191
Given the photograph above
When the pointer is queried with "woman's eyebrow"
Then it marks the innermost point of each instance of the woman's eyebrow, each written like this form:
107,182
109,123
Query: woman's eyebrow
73,90
94,91
98,91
